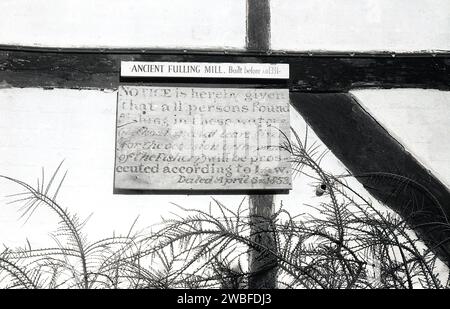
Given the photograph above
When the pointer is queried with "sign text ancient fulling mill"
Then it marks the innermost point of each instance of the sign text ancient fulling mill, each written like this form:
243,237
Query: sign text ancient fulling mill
204,70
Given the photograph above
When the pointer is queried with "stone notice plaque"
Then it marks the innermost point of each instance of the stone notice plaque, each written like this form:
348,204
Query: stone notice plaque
180,138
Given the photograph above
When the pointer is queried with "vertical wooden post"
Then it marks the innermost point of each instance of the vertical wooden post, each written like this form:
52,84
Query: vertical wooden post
262,261
262,258
258,25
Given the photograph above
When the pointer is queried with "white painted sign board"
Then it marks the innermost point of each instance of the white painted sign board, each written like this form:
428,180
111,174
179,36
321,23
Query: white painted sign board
189,138
205,70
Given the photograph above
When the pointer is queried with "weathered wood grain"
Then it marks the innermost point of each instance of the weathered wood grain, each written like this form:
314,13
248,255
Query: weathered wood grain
316,73
258,25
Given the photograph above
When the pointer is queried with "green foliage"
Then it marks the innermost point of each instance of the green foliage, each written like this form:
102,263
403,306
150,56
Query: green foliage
342,242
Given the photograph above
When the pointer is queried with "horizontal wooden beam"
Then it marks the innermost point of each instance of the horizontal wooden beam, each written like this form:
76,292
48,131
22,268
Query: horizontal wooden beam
86,69
225,51
389,172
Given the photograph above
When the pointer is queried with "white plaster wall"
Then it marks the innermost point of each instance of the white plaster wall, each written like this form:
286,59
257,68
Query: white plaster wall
337,25
361,25
419,119
120,23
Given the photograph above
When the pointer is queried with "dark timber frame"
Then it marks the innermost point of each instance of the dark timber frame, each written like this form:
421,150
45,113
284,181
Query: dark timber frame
310,72
319,86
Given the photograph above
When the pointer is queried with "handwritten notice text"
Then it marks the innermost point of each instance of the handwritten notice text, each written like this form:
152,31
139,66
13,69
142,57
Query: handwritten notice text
180,138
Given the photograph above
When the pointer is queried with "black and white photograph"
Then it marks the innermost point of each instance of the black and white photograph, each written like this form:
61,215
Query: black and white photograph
224,151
